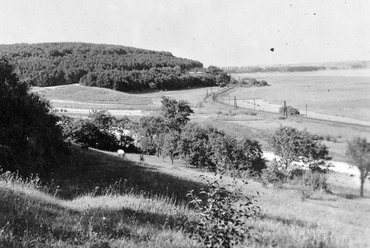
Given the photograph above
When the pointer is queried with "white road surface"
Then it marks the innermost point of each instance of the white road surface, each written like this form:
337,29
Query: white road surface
342,167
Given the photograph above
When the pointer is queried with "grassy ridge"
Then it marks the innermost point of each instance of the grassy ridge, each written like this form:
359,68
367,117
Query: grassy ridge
145,208
32,218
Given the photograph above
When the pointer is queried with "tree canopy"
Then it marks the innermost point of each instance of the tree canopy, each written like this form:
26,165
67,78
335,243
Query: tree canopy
358,152
29,136
292,145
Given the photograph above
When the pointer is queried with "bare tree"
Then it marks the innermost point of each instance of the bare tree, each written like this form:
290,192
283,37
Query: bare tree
358,152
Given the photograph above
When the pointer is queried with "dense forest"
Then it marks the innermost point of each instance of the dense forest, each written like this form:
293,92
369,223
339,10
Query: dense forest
111,66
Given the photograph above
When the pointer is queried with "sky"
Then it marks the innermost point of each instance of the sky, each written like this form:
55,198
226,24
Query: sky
214,32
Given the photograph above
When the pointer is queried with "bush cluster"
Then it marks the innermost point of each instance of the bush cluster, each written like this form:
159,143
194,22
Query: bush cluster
100,130
289,110
221,222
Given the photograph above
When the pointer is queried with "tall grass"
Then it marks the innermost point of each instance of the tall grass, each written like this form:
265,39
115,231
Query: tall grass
100,200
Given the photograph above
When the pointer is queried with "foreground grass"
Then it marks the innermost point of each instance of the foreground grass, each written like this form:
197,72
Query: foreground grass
146,207
32,218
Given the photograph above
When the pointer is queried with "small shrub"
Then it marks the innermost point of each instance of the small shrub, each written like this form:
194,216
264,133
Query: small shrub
311,182
274,175
306,192
199,105
327,137
221,224
219,112
289,109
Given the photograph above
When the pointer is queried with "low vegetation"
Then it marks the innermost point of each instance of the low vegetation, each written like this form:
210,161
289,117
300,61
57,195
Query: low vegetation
253,82
288,110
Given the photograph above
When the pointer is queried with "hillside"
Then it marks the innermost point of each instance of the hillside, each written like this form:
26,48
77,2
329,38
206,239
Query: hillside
111,66
101,200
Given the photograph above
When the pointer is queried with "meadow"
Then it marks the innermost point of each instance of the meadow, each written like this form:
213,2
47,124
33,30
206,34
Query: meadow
101,200
83,97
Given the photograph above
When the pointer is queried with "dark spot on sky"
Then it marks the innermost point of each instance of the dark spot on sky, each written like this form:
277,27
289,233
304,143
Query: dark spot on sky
314,13
272,49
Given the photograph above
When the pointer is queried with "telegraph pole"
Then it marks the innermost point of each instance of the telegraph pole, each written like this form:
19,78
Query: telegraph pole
235,103
306,110
285,111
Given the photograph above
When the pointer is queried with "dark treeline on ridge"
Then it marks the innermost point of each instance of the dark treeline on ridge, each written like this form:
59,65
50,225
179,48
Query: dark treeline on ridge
110,66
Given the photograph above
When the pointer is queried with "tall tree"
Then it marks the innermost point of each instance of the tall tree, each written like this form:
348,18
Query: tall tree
175,113
30,140
358,152
171,144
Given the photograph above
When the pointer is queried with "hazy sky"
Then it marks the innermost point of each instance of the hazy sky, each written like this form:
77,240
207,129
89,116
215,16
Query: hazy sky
215,32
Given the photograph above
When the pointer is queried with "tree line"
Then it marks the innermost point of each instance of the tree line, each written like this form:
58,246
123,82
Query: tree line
165,78
169,134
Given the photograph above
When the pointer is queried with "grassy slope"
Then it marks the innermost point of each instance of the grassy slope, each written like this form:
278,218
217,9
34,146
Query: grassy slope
76,96
89,209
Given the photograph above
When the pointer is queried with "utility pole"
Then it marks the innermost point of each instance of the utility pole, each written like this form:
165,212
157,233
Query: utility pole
285,111
206,93
306,110
235,103
229,99
254,103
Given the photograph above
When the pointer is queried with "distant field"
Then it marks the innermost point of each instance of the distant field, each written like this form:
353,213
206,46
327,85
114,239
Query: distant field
82,97
346,96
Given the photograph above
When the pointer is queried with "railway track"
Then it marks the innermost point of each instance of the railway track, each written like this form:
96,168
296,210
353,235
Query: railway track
226,91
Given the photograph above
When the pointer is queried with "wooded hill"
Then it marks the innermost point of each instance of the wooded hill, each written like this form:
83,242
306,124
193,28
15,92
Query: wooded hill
110,66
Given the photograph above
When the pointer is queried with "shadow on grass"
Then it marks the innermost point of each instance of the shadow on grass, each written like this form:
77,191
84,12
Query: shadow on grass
54,222
287,221
349,196
93,171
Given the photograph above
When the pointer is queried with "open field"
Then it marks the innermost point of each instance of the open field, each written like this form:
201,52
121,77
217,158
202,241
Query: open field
82,97
344,96
144,210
